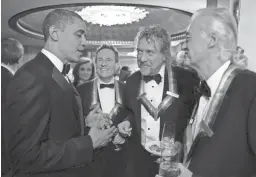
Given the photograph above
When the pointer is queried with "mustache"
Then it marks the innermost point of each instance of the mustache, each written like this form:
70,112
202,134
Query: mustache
144,64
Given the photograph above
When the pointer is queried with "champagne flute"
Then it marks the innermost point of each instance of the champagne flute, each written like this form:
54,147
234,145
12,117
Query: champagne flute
168,133
106,123
113,116
169,152
116,146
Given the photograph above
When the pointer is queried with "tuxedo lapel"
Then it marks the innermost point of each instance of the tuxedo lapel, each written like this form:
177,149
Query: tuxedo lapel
77,105
78,109
93,97
119,90
60,79
136,103
49,68
173,112
66,87
208,122
165,89
166,84
98,97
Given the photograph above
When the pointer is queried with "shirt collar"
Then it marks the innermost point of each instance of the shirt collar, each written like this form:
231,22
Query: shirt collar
162,70
8,68
101,82
215,79
55,60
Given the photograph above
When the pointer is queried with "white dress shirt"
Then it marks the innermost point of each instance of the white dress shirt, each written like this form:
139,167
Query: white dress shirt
106,96
55,60
205,102
150,128
8,68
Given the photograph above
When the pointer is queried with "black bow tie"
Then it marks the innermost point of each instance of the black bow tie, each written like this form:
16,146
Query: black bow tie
203,89
66,68
157,78
106,86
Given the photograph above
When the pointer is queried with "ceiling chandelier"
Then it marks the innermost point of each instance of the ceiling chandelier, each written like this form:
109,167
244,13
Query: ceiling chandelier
112,15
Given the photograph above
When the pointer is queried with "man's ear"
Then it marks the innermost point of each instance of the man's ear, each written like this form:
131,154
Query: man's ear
53,33
213,40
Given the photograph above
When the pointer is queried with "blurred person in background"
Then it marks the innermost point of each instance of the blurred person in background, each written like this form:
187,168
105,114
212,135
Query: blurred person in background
83,71
12,53
124,73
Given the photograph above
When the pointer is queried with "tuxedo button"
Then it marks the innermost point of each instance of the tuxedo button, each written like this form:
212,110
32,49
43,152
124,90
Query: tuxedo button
148,128
151,100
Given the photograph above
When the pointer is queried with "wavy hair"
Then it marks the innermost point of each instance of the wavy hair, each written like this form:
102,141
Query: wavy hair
77,67
156,32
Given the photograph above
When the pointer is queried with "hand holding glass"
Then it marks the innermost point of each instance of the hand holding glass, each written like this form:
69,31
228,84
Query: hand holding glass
169,153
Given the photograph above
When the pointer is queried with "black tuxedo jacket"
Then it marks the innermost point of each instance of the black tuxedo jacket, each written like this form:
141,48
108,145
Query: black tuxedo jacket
179,113
231,151
43,123
106,161
85,91
180,110
6,77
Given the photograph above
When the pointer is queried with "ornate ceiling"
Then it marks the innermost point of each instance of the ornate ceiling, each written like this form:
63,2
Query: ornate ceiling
175,21
25,18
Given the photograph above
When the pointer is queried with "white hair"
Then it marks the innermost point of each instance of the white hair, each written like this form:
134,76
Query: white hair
223,23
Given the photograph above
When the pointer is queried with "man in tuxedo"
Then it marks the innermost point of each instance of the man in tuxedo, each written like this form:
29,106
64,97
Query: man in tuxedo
106,90
12,53
221,136
124,73
44,126
153,56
